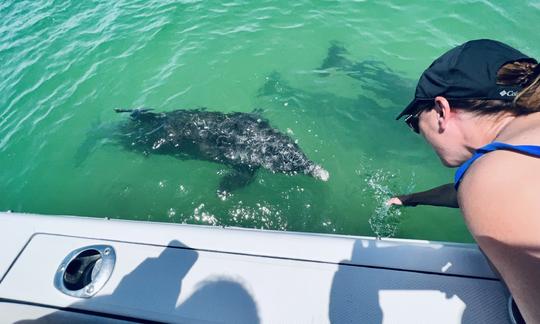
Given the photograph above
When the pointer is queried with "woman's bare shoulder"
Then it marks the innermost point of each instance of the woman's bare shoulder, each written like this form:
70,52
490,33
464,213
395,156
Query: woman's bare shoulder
499,191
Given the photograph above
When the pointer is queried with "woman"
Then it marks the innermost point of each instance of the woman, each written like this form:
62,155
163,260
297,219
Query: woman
478,106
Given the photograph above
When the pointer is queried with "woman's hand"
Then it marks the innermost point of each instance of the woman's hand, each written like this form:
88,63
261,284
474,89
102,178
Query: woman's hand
394,201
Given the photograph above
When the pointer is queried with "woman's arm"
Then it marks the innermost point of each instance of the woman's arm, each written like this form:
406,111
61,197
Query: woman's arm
444,196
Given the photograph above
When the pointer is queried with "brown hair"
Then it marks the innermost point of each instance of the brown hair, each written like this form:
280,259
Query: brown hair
527,101
526,74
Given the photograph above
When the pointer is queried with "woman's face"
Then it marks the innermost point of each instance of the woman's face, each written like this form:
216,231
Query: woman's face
442,132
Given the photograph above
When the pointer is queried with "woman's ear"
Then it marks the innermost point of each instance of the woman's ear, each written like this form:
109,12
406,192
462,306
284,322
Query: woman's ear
442,108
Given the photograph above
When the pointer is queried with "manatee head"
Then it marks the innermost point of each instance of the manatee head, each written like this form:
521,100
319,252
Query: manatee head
318,172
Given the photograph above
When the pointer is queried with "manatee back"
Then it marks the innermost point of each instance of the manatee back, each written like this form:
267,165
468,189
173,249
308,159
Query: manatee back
251,140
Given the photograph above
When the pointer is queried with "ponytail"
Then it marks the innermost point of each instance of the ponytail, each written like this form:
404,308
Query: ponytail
528,99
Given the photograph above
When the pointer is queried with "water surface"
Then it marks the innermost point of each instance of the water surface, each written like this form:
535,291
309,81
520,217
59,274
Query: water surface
333,75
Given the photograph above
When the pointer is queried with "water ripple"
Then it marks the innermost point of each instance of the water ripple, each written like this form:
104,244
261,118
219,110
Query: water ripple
293,26
250,28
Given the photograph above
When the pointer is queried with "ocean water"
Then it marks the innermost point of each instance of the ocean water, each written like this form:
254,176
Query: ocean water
330,74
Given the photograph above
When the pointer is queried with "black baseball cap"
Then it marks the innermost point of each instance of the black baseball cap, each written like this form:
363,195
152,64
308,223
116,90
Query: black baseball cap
468,71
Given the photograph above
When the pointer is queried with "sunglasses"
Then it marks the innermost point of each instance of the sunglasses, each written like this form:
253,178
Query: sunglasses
413,120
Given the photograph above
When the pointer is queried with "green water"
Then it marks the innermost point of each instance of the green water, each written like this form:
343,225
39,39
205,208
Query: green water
66,64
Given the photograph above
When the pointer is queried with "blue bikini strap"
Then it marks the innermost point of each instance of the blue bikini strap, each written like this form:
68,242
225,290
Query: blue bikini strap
526,149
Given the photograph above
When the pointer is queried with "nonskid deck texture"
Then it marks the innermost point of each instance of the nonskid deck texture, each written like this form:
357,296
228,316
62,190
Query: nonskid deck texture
198,274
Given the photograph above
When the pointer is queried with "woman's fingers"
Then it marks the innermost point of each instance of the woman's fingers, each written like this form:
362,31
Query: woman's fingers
394,201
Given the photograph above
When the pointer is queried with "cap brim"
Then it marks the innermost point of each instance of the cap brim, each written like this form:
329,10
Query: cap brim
409,109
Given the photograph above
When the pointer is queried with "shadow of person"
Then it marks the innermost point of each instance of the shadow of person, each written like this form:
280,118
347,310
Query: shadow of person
221,300
377,294
152,291
157,282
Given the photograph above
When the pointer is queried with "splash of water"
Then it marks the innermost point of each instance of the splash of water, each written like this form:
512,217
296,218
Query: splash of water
385,219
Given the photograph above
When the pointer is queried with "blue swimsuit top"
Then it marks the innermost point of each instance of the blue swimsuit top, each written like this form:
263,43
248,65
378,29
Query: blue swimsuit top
532,150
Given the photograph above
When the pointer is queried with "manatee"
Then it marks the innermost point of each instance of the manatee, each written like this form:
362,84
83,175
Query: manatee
335,58
373,75
243,141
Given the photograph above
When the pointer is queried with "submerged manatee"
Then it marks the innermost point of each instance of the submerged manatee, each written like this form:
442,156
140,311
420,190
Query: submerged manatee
375,76
244,141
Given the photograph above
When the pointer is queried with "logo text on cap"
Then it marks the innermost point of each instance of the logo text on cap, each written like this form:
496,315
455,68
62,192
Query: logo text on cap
509,93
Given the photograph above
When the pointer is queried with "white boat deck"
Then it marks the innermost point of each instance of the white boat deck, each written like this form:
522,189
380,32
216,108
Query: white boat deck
199,274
